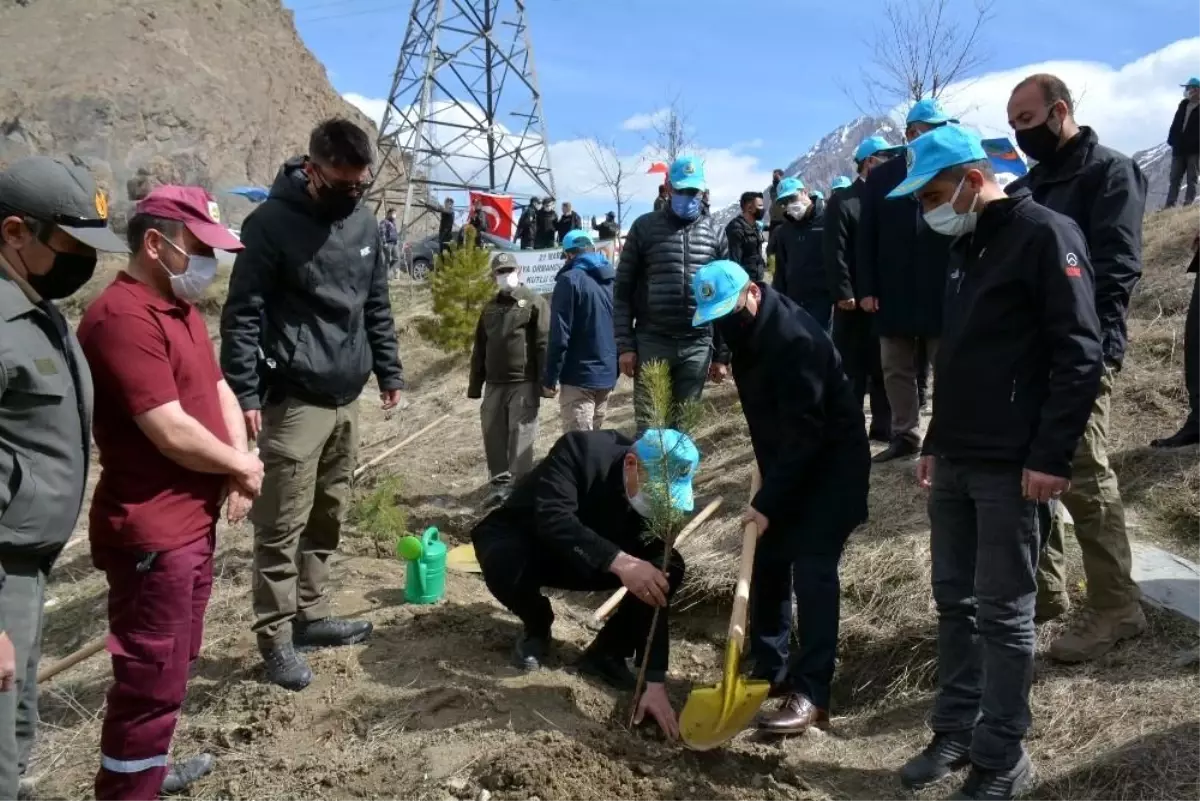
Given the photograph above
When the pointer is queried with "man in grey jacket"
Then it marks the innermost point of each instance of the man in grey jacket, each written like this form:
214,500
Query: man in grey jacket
307,321
52,222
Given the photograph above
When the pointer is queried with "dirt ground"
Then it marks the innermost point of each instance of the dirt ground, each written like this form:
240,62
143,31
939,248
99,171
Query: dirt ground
430,708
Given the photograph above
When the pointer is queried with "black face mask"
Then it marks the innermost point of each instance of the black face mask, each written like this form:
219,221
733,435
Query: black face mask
69,272
759,214
1040,143
336,204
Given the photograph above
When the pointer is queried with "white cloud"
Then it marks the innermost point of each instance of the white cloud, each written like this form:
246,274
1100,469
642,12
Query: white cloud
644,122
373,107
1130,107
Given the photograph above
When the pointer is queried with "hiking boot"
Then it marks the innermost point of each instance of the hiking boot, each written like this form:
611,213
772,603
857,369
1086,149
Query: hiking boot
899,449
285,667
329,632
530,652
997,784
183,775
945,754
1051,606
612,670
795,714
1186,436
1096,631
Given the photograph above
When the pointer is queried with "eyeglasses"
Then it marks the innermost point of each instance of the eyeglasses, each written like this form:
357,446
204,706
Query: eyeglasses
349,187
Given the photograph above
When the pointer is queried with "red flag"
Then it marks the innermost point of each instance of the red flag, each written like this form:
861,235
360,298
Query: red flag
499,211
657,166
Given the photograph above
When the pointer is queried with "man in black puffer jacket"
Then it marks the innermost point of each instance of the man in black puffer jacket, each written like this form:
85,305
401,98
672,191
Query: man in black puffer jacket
652,299
797,245
1184,139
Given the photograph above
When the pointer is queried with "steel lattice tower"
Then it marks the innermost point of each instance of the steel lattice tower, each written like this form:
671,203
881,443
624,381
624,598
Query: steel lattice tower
464,108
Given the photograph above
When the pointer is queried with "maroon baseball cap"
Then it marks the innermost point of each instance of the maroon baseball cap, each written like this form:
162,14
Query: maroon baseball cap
195,208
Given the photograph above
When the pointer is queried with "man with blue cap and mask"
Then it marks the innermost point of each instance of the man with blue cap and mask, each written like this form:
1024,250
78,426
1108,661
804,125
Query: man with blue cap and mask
1184,140
652,301
810,444
853,327
579,522
1017,370
796,245
902,274
839,182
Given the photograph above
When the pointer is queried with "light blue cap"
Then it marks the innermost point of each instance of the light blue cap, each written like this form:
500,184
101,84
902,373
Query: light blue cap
788,187
717,286
928,111
577,240
870,146
687,172
840,182
936,150
1193,83
680,462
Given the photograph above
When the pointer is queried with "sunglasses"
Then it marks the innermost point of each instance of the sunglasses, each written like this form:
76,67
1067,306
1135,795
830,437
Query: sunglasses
349,187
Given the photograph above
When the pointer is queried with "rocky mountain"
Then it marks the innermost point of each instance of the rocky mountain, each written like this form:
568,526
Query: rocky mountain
830,157
1156,166
212,92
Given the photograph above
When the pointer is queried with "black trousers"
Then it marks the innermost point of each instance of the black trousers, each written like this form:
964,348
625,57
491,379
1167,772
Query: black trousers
1191,368
856,341
516,566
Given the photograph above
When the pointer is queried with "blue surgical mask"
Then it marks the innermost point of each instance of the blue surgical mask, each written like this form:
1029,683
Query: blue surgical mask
686,207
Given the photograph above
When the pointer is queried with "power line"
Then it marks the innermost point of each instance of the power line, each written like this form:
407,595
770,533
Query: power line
392,6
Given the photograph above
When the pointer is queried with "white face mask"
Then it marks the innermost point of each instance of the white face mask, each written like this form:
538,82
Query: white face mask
192,283
508,280
640,503
945,220
796,209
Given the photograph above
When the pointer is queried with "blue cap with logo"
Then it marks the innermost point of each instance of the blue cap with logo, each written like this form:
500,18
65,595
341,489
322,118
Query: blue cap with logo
788,187
870,146
840,182
936,150
687,172
1193,83
665,449
577,239
929,111
717,286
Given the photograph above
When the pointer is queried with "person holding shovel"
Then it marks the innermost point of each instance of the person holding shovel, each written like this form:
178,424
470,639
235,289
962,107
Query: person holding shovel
579,522
810,443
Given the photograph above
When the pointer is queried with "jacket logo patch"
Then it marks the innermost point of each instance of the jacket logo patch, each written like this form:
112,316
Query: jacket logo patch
1073,270
46,366
365,251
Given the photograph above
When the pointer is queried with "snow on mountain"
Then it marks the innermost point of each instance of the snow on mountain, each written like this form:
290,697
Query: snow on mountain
830,157
1156,166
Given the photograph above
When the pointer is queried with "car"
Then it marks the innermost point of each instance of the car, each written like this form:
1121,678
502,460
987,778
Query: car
419,256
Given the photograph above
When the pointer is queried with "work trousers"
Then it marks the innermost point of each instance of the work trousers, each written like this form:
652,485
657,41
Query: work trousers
583,409
688,359
900,358
308,453
1183,166
156,626
516,566
509,415
1094,501
21,599
856,341
984,541
1191,358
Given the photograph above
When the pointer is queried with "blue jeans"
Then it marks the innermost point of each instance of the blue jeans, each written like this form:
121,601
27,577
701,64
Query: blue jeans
984,544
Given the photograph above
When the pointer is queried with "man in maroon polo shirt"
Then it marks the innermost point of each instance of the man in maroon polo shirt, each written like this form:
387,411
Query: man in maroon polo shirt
172,447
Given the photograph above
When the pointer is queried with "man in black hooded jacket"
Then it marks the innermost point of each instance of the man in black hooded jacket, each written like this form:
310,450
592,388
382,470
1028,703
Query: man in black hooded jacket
797,245
306,322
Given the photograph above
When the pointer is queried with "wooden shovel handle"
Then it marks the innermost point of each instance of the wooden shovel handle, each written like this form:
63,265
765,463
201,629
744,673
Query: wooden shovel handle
741,596
71,660
400,445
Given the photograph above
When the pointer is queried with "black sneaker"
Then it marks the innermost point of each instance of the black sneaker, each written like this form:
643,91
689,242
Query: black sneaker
612,670
285,667
1185,437
945,754
531,652
899,449
183,775
330,632
997,784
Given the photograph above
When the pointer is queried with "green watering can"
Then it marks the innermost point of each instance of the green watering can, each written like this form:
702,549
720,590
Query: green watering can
425,573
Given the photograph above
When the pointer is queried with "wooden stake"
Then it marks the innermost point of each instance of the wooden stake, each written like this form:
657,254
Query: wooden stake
401,444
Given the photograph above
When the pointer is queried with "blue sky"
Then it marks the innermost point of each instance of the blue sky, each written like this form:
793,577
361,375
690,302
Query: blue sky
760,81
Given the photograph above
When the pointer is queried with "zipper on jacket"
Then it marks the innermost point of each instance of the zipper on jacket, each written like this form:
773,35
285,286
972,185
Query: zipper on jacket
687,260
1013,397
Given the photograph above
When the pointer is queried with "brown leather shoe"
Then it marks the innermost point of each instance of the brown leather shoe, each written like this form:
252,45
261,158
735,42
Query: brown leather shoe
794,715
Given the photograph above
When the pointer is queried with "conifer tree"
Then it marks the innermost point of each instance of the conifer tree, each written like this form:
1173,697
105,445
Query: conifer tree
461,284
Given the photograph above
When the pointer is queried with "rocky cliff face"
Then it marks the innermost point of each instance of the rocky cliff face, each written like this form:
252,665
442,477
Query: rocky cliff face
211,92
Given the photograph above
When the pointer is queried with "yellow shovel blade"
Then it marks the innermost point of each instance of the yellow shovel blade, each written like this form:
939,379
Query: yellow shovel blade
712,716
462,558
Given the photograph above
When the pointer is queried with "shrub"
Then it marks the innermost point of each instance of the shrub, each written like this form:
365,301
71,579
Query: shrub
460,285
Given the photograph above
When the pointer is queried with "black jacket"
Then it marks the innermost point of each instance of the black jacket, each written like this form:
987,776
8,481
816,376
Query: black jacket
840,245
901,260
544,228
525,227
608,230
807,430
1185,139
745,246
1104,192
445,222
1019,363
313,294
653,292
479,219
799,263
567,224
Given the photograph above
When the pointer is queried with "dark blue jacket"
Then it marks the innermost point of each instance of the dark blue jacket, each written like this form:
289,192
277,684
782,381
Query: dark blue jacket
583,347
798,247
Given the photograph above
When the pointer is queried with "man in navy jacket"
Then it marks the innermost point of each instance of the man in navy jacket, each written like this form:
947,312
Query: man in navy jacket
582,354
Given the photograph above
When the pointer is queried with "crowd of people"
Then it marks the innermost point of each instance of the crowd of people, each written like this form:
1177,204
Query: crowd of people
1017,294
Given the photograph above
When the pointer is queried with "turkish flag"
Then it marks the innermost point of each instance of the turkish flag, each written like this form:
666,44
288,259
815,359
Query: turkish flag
499,211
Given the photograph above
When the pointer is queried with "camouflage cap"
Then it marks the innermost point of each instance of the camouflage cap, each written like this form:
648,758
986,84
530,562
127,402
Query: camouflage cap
504,261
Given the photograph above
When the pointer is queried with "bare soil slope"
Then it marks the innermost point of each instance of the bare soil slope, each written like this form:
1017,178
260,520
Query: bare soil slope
429,707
